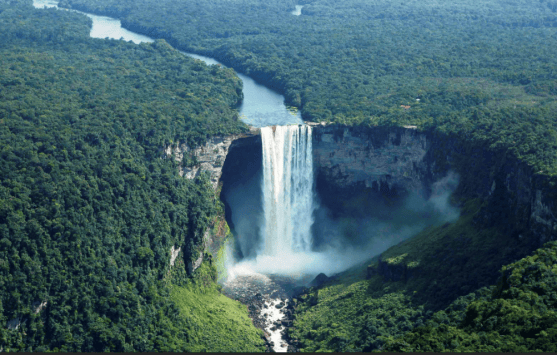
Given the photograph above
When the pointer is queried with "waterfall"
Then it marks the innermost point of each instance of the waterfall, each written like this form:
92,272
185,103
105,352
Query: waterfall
288,189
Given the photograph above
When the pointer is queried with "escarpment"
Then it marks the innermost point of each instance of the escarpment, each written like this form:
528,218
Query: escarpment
209,158
393,162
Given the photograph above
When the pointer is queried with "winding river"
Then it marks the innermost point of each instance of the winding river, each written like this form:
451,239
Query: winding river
261,106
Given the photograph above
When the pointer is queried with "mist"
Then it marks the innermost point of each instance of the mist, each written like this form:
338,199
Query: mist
341,239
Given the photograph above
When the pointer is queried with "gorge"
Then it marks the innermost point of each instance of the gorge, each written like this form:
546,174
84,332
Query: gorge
309,203
408,168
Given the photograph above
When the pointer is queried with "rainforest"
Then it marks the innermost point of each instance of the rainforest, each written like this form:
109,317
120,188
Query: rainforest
278,176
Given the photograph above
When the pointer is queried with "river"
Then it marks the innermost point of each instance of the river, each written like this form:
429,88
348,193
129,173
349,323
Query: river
267,296
261,106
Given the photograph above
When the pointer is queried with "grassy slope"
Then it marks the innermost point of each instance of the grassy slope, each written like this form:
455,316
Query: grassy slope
217,323
444,263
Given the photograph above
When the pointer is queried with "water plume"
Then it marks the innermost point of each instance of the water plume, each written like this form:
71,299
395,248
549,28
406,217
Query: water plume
288,194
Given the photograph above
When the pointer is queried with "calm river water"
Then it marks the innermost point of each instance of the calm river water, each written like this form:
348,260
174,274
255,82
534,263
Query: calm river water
261,106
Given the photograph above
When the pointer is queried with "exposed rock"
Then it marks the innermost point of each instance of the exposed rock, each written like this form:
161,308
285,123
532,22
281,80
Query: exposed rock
209,157
38,306
292,349
192,266
390,160
319,280
370,158
287,322
15,323
174,254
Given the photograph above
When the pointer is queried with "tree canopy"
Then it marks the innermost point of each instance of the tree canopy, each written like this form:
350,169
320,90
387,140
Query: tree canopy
89,207
485,70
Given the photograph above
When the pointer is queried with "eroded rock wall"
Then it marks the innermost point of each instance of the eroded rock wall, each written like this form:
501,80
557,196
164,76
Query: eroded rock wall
404,159
209,157
353,158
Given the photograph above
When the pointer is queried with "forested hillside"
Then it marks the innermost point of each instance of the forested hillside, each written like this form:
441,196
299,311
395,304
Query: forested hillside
412,303
89,210
484,70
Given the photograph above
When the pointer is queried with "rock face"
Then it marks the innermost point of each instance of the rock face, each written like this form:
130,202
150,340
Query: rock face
174,255
209,157
14,323
404,159
374,158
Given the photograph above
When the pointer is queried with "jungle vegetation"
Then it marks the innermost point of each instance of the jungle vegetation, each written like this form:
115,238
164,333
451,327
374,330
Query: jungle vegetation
89,206
364,310
486,71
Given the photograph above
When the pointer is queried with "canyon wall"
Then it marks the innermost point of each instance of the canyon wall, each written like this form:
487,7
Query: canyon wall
399,159
379,158
209,157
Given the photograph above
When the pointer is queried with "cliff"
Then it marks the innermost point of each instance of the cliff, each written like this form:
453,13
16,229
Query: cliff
353,157
209,157
398,160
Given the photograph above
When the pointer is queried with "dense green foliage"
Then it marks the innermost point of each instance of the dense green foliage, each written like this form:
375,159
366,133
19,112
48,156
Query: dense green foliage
517,315
351,313
344,317
89,207
442,263
486,71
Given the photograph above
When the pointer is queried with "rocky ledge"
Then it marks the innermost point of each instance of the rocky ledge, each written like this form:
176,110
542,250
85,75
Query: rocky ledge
209,157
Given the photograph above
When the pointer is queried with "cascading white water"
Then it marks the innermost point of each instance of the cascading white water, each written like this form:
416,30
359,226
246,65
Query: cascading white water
288,194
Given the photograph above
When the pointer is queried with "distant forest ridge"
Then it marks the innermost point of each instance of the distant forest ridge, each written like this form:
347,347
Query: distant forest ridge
485,71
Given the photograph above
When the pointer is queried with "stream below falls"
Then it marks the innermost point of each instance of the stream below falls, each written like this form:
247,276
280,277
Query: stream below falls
268,298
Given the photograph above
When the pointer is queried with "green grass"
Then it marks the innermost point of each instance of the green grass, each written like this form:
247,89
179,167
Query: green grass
218,323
